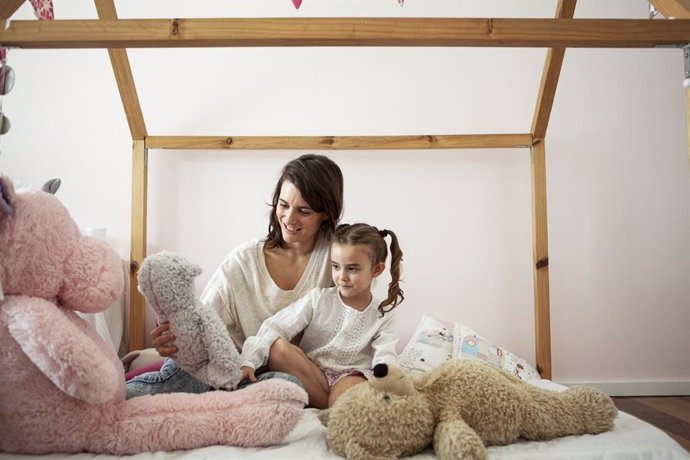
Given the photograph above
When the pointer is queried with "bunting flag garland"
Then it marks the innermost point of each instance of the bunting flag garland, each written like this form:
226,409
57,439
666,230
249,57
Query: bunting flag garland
297,3
43,9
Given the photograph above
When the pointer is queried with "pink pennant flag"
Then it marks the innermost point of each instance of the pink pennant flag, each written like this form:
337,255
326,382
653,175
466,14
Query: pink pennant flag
297,3
43,8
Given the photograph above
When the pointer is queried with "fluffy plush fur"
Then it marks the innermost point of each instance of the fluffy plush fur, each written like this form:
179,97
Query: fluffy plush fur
206,349
63,386
460,407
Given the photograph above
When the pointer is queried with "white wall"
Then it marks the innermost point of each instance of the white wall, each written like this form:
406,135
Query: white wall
617,162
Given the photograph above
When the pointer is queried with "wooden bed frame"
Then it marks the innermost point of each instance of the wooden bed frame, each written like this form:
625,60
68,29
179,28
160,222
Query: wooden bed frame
556,34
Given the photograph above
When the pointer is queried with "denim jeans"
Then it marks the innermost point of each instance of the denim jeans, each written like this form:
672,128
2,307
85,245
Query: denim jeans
173,379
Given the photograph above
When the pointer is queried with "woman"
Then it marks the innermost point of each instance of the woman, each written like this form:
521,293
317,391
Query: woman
262,276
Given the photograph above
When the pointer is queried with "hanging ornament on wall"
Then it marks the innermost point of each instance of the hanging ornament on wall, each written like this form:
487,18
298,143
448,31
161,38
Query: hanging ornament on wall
6,85
652,11
43,9
6,78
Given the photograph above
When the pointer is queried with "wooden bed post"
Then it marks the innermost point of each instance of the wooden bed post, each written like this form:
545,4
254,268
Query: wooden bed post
540,122
540,252
135,119
137,305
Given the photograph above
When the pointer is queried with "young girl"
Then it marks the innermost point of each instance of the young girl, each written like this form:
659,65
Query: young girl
346,329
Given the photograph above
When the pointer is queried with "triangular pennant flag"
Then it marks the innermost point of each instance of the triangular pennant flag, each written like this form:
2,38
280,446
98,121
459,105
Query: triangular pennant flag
43,8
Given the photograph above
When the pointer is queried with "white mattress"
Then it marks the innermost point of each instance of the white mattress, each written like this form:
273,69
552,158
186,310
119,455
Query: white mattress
631,438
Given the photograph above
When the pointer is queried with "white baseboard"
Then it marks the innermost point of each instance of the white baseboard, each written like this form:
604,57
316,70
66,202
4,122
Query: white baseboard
638,388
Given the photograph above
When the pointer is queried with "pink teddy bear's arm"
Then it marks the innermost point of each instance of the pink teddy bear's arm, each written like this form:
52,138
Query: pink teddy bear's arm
63,353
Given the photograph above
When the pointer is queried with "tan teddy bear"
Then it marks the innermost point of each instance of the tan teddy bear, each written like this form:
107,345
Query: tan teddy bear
460,407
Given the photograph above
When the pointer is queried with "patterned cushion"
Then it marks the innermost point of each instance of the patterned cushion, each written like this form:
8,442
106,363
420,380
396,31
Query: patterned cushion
468,344
430,345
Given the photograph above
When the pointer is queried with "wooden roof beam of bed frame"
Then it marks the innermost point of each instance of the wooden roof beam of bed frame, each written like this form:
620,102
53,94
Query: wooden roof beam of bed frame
246,32
549,79
673,8
467,141
123,75
8,7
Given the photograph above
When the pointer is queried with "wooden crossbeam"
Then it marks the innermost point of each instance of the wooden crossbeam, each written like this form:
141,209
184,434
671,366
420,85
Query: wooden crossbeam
467,141
246,32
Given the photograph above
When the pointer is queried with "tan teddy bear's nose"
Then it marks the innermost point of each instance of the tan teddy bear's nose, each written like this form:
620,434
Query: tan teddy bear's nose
380,370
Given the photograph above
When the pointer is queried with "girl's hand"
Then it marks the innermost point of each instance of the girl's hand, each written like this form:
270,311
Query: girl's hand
247,373
164,340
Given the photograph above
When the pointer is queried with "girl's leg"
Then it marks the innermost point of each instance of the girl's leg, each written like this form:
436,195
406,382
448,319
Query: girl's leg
343,385
289,358
170,379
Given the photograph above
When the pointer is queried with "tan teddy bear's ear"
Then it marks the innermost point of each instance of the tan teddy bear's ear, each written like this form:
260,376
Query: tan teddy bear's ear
393,380
425,379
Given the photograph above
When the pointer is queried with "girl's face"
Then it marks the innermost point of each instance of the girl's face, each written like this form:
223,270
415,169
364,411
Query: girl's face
353,273
299,223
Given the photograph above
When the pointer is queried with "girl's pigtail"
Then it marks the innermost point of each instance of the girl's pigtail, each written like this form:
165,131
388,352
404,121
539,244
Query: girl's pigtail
395,294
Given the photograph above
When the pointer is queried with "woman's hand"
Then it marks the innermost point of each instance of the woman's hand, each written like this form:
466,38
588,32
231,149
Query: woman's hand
164,340
248,373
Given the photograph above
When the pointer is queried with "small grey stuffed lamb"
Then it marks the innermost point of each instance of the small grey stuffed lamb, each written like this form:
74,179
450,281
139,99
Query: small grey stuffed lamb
205,348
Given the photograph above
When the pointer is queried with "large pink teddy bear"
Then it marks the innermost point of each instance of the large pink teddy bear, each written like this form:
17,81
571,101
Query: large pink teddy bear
62,387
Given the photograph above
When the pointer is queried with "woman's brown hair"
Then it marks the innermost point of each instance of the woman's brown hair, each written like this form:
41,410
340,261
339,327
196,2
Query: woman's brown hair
320,181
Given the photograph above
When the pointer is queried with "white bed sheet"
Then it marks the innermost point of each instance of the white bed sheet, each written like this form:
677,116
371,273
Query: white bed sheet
630,438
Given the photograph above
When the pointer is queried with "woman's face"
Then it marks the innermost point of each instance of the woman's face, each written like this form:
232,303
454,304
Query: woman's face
299,223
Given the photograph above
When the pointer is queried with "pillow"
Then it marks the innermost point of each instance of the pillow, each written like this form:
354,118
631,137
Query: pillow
153,367
430,345
141,361
468,344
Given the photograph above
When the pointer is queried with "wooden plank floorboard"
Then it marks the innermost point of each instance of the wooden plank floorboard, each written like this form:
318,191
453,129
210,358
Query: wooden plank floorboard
675,407
668,413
